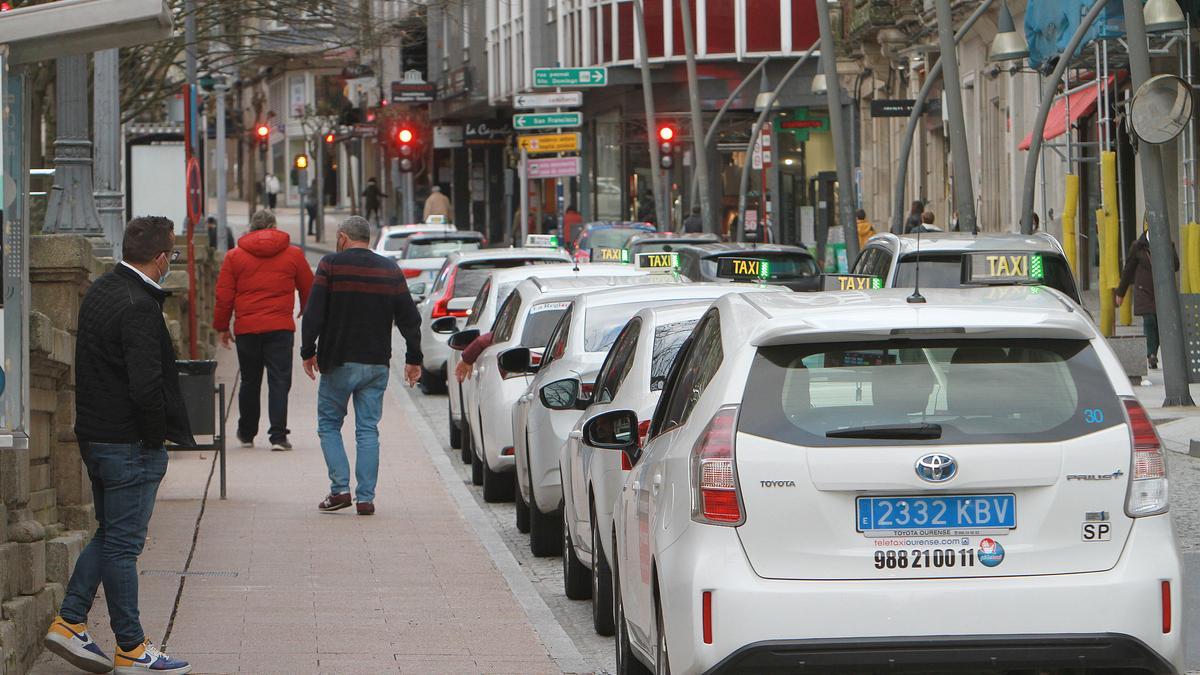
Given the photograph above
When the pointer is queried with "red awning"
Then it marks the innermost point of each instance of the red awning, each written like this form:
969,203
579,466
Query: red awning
1083,103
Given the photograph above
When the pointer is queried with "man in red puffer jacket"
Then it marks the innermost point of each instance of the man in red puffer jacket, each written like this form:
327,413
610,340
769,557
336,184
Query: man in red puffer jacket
257,286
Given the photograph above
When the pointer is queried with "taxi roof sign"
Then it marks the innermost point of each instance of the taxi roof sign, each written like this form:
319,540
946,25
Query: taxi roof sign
666,260
541,241
743,269
1003,267
435,219
609,254
851,282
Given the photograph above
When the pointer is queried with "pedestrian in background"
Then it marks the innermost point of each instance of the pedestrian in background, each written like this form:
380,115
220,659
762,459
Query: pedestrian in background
572,225
272,187
310,205
914,217
127,406
372,199
1139,273
693,224
357,297
865,229
210,225
436,204
257,286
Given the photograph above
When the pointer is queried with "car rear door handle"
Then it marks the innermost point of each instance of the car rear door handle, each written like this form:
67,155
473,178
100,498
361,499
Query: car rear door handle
575,434
656,483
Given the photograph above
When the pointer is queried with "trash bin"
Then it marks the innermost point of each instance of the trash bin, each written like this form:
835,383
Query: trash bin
197,382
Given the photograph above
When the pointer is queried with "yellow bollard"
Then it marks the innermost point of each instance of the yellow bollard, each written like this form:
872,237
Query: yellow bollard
1110,236
1070,204
1192,253
1185,259
1107,302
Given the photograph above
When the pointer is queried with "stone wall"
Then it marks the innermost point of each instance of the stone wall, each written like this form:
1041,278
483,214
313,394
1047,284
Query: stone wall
46,512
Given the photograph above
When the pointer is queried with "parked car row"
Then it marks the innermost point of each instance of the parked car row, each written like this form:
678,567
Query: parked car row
870,477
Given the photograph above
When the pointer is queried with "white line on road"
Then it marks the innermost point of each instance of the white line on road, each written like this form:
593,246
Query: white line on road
559,645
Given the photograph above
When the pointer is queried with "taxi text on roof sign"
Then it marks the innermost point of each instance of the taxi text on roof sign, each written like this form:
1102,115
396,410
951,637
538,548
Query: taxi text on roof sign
1003,267
743,268
435,220
851,282
605,254
541,241
658,261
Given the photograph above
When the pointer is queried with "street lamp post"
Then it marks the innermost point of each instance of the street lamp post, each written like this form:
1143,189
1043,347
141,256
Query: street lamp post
110,202
72,205
657,181
699,146
964,192
1162,254
841,140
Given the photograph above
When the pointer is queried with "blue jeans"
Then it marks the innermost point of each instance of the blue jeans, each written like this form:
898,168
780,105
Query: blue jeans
366,384
125,479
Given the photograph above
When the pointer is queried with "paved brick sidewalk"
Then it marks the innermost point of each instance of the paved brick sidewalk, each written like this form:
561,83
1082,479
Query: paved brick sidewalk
410,589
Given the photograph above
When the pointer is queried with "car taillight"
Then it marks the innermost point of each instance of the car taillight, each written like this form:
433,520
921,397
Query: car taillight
585,389
1147,495
535,358
441,307
1166,607
714,473
410,273
643,431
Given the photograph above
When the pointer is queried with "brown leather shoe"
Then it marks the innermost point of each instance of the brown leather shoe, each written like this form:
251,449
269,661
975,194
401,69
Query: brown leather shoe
335,502
365,508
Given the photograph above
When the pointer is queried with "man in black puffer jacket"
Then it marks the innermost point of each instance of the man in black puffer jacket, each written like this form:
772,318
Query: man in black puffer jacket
127,405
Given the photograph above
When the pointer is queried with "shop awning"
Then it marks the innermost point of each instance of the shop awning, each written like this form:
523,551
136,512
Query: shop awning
1082,103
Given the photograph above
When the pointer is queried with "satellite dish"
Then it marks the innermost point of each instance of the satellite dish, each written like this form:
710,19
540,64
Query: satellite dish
1161,108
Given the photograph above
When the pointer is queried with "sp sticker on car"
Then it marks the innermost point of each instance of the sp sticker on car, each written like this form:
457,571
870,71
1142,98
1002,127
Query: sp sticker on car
991,552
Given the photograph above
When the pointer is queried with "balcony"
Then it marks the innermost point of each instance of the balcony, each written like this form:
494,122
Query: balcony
869,16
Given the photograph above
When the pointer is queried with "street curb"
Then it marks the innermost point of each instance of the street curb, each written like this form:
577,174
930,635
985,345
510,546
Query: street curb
556,641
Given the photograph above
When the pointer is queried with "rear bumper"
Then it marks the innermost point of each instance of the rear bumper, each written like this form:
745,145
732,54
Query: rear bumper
983,653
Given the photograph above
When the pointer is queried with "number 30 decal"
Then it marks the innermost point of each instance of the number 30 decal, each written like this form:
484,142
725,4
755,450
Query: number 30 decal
1093,415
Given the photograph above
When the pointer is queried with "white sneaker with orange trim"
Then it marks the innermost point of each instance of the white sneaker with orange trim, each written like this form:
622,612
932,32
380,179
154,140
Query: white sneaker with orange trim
72,642
146,658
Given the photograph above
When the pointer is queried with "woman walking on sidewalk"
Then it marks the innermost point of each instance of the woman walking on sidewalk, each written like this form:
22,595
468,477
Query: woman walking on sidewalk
1139,273
357,297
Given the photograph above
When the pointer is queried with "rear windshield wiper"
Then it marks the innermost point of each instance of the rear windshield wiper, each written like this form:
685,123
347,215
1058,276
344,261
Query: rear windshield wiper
915,431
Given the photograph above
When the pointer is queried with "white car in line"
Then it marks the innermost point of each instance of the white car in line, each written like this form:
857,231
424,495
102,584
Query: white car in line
452,293
392,237
854,481
496,288
545,414
631,377
425,253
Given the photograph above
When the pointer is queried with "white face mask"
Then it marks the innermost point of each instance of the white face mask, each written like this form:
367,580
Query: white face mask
162,278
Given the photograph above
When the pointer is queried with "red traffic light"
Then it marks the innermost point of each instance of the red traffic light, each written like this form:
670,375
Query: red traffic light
329,137
405,135
263,131
666,133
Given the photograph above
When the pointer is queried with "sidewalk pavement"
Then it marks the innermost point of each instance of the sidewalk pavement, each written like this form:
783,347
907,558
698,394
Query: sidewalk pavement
274,585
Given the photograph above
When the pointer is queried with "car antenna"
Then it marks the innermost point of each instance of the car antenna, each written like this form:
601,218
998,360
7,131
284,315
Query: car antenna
916,297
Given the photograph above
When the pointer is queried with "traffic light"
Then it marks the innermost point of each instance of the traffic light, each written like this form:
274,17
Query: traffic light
666,145
329,137
301,161
406,141
263,133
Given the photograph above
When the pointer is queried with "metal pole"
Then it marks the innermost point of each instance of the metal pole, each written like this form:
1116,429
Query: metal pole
754,132
841,146
110,202
320,225
72,206
964,191
711,132
660,196
409,214
1039,124
914,117
1166,293
699,139
524,181
222,172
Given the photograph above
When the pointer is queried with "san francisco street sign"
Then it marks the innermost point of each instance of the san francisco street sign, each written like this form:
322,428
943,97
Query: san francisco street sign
570,77
558,99
554,167
548,120
549,143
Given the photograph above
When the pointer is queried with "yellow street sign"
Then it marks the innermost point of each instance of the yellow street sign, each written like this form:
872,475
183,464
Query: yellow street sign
549,143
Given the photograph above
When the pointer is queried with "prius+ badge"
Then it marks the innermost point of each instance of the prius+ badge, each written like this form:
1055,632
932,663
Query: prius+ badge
1096,476
936,467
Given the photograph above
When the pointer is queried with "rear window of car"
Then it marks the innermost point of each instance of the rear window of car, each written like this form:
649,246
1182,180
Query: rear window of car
611,237
395,242
540,322
471,275
977,391
440,248
668,338
784,266
945,271
602,325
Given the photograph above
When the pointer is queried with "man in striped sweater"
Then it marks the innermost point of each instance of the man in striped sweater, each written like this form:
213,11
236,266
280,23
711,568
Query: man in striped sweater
357,296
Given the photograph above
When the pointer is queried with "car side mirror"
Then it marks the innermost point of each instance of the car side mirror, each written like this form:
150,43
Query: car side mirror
518,360
561,394
418,289
462,339
447,325
614,430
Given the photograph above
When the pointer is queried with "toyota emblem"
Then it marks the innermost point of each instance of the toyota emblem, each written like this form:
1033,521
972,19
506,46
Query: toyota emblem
936,467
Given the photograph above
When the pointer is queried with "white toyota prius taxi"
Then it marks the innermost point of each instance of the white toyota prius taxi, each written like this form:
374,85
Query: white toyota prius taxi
852,481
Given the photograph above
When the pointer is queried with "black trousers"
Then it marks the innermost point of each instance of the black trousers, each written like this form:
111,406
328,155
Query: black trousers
274,352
